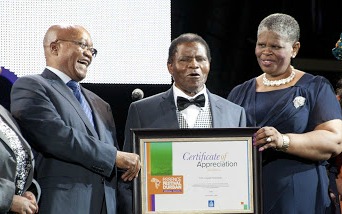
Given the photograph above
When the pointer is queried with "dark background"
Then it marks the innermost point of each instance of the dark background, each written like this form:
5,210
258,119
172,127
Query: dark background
230,29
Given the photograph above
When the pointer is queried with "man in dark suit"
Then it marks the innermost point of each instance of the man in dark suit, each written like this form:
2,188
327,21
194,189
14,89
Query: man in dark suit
189,65
71,129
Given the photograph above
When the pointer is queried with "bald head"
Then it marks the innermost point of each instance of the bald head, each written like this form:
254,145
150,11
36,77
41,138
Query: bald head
62,31
51,34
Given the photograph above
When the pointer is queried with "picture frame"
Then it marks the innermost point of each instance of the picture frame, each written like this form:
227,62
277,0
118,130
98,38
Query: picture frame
216,170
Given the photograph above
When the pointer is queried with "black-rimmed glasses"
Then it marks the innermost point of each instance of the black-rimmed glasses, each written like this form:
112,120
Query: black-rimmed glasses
81,44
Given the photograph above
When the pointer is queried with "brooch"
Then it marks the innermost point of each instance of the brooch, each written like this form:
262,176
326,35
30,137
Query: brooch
298,101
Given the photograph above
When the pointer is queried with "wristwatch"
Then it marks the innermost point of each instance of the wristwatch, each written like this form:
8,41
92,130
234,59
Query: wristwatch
286,143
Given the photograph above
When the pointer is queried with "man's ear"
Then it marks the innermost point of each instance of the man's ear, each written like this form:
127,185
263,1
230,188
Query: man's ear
170,68
54,48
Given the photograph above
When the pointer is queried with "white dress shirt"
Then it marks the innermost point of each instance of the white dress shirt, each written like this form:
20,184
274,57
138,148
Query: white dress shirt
190,113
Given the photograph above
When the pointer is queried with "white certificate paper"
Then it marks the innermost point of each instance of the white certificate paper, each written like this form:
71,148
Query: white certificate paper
196,176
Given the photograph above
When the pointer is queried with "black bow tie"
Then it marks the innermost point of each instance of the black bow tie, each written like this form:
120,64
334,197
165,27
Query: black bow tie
183,103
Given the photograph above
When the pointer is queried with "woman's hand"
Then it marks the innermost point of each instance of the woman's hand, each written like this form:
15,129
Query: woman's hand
268,137
324,142
25,204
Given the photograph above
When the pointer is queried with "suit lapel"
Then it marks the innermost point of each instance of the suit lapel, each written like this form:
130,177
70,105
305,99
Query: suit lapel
169,109
216,111
61,88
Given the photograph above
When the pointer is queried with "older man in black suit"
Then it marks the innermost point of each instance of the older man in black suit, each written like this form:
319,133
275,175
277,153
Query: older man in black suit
187,104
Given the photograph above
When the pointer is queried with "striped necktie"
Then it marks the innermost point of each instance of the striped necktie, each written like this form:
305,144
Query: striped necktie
75,87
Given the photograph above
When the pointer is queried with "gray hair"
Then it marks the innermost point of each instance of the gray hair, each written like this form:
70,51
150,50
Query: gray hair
282,24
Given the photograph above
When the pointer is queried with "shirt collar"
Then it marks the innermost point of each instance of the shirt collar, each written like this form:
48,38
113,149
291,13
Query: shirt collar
65,78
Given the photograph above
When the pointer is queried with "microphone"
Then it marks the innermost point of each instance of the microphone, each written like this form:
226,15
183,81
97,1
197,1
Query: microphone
137,94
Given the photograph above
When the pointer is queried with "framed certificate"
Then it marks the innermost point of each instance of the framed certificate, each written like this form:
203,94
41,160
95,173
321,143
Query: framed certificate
197,171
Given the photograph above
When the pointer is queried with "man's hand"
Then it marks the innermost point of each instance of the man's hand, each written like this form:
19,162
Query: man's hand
130,162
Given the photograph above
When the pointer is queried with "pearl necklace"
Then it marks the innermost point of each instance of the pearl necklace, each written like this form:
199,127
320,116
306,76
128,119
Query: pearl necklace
277,83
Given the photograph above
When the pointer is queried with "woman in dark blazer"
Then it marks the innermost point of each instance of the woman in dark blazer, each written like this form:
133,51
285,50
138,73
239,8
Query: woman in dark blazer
19,193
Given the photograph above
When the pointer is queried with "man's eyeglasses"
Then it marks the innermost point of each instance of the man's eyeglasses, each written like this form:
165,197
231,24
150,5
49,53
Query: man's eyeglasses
81,44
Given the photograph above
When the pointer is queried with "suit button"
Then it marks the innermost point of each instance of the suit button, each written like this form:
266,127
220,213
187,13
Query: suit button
102,180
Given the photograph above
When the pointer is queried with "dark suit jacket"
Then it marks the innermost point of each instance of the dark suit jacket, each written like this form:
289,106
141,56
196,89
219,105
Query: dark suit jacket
8,165
75,161
159,111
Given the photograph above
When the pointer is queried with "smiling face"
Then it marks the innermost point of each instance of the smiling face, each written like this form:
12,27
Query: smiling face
190,67
274,53
67,55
